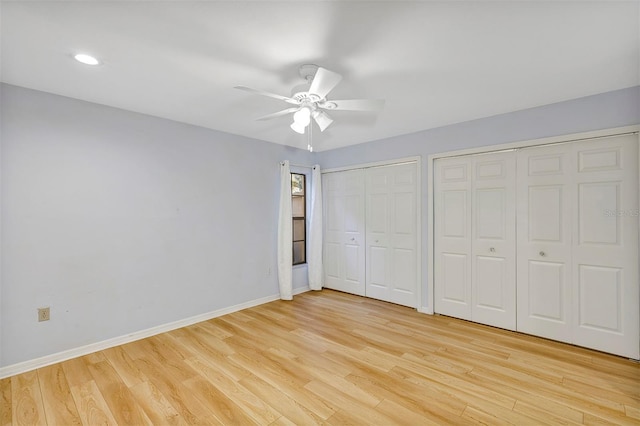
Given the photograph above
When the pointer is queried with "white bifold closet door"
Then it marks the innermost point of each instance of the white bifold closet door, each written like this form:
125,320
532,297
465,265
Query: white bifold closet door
370,244
571,274
475,238
344,231
544,241
578,243
391,222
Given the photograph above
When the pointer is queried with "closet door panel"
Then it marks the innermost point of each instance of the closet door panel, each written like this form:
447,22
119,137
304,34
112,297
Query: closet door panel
352,257
600,298
456,204
333,221
605,245
490,213
490,283
454,274
344,234
378,262
545,214
494,240
452,239
548,287
392,233
331,262
544,295
404,234
547,298
404,261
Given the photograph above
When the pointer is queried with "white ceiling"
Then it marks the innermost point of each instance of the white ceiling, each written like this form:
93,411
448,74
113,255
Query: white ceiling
435,63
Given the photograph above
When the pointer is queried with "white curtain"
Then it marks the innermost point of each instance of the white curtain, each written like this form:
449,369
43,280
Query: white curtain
314,249
285,244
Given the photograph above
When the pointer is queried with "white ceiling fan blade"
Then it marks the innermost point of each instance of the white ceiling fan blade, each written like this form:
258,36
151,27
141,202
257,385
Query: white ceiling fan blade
277,114
269,94
354,105
323,119
323,82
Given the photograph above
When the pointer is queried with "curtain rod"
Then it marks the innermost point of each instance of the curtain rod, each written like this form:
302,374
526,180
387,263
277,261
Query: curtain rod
297,165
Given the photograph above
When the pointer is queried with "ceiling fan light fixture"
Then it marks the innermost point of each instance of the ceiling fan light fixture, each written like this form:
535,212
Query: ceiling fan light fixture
302,117
298,127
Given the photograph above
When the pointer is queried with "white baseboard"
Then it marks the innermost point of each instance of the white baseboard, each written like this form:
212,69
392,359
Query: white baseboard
23,367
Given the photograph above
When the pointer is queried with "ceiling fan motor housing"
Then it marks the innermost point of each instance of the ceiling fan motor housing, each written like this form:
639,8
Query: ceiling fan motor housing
306,98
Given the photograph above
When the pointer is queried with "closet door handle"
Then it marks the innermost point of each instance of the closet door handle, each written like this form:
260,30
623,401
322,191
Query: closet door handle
542,254
492,250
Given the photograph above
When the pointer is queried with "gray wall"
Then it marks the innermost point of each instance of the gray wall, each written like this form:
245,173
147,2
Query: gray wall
120,221
612,109
608,110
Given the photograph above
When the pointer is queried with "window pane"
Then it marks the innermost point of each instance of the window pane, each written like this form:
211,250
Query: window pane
297,206
298,253
298,211
298,229
297,184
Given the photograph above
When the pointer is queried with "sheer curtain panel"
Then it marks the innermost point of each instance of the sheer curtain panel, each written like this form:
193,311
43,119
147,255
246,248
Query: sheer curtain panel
285,244
314,255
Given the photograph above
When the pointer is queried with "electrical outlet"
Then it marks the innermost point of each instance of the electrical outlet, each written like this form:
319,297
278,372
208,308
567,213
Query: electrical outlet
44,314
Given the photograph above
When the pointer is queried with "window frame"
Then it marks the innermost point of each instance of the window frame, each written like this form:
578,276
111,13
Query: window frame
298,218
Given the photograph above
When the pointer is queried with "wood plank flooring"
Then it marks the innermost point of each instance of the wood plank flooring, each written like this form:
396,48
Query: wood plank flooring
330,358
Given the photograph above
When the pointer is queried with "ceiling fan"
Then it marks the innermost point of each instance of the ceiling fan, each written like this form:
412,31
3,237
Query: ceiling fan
310,99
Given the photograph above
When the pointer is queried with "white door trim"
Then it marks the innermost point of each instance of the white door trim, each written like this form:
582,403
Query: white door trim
429,308
393,162
418,160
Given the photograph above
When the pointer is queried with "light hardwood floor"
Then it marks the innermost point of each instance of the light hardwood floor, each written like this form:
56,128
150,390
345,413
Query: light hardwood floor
330,358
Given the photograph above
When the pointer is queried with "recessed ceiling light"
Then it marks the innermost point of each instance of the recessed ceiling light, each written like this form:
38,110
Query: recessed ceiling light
86,59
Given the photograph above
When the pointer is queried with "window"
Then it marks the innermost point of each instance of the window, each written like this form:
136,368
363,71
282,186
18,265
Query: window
299,213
